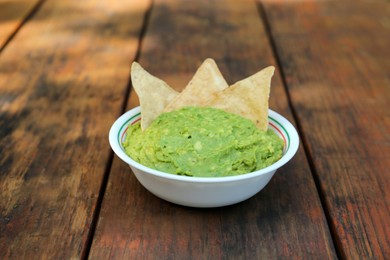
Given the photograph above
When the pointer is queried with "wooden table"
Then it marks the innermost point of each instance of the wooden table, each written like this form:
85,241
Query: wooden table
64,79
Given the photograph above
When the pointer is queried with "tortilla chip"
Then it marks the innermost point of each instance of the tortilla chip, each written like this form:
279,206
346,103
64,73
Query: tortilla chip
153,93
202,88
248,98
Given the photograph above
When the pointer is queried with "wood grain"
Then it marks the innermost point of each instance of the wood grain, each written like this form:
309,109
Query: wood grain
12,14
285,220
335,57
62,81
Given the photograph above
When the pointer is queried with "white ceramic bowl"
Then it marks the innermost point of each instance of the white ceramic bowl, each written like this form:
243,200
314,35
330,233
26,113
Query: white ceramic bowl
203,191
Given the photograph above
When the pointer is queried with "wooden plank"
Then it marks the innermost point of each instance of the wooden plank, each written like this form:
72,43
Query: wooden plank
62,81
12,14
335,57
284,220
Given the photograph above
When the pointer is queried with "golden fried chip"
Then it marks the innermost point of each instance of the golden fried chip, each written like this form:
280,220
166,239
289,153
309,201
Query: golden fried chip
202,88
248,98
153,93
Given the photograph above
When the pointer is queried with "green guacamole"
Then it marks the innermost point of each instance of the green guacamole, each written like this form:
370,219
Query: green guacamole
203,142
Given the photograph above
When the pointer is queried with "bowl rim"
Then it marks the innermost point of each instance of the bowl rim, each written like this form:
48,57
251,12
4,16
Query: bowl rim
124,120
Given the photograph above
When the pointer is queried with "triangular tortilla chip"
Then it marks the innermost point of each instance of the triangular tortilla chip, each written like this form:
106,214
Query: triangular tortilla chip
153,93
202,88
248,98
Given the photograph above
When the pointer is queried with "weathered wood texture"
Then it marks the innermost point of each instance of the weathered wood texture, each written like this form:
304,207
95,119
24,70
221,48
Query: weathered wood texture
12,14
62,81
335,57
284,220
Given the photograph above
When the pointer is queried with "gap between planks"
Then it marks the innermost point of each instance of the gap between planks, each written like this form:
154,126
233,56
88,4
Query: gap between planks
91,233
268,31
29,15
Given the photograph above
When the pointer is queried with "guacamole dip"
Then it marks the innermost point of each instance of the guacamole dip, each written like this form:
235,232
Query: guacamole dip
203,142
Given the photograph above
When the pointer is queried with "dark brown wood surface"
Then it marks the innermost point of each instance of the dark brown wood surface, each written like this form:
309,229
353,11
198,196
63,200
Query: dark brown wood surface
285,220
12,15
62,81
336,61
